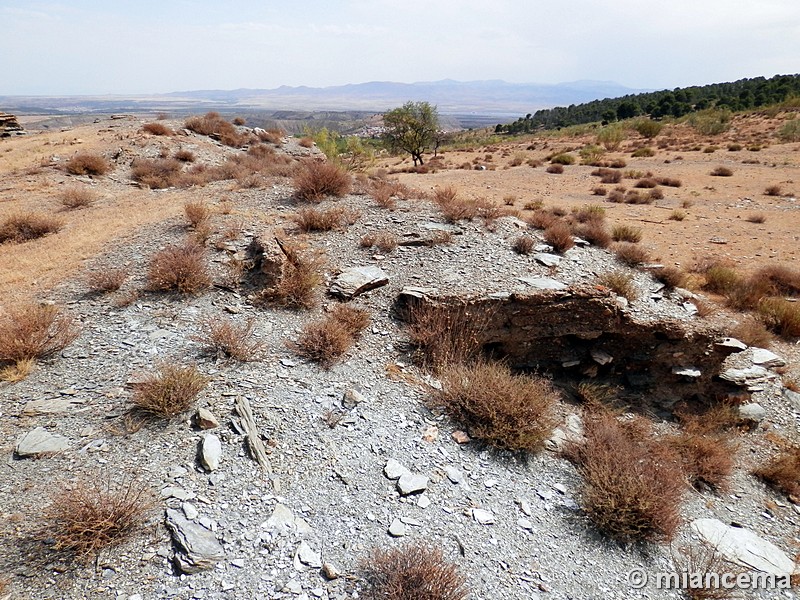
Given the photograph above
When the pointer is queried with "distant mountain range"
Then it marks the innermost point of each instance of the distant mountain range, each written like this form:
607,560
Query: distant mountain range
493,98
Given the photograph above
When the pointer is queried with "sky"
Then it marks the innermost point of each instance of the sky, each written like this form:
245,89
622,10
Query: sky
90,47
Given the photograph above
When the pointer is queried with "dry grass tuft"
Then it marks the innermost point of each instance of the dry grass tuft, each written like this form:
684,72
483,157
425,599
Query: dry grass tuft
327,340
317,219
631,254
315,180
214,126
541,218
223,337
297,287
385,241
86,163
75,197
523,244
22,227
414,571
559,236
158,173
197,213
596,233
721,172
773,190
758,217
753,332
555,169
707,460
171,391
620,283
671,277
182,269
185,156
157,129
626,233
781,316
34,331
677,215
87,517
782,472
632,486
106,280
513,412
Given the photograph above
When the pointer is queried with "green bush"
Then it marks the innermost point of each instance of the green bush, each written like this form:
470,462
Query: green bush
563,159
712,121
790,132
648,128
611,137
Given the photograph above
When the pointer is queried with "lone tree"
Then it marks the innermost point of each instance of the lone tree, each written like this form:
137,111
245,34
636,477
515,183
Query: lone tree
411,128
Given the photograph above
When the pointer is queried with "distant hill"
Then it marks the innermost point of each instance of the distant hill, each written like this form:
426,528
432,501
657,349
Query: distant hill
493,98
743,94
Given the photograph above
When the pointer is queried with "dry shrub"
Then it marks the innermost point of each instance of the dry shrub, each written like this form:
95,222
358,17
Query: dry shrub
488,210
646,183
721,172
318,219
317,179
720,279
541,219
782,472
555,169
182,269
512,412
559,236
616,196
773,190
157,129
596,233
607,175
382,192
17,371
327,340
634,197
33,331
599,190
86,163
297,288
626,233
707,460
170,391
157,173
707,419
620,283
704,564
445,335
197,212
781,316
753,332
186,156
22,227
385,241
414,571
595,392
778,279
631,254
523,244
677,215
89,516
106,280
214,126
306,142
272,136
75,197
591,213
669,181
225,338
655,194
632,484
671,277
758,217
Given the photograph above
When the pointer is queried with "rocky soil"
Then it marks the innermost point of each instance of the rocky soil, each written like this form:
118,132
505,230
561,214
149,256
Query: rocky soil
355,458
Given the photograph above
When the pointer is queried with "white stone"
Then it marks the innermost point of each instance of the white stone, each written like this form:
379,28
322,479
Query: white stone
543,283
40,442
394,470
410,483
765,358
484,517
397,528
211,452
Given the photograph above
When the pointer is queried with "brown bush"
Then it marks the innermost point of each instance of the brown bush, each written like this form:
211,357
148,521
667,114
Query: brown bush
559,236
316,179
197,213
616,197
781,316
541,219
86,163
634,197
758,217
34,331
677,215
157,173
620,283
327,340
607,175
646,182
384,241
504,410
782,472
707,460
669,182
720,279
272,136
89,516
632,485
306,142
382,192
655,194
75,197
721,172
599,190
556,169
225,338
157,129
773,190
22,227
318,219
753,332
671,277
213,125
414,571
105,280
169,392
626,233
297,287
707,419
590,213
182,269
631,254
596,233
523,244
186,156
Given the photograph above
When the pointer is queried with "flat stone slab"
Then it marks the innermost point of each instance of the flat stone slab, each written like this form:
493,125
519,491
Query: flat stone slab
51,406
731,344
744,547
544,283
210,451
548,260
196,548
765,358
745,376
357,280
40,442
411,483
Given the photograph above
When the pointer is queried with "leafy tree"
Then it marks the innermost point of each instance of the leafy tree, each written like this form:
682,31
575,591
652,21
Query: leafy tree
411,128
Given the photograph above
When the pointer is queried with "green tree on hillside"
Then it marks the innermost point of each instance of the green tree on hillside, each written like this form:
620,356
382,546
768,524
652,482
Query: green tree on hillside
411,128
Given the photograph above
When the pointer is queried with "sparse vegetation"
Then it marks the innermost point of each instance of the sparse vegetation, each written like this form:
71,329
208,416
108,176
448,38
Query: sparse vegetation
782,472
523,244
182,269
297,288
671,277
169,392
781,316
316,180
325,341
643,152
513,412
414,571
721,172
310,219
225,338
197,213
563,158
22,227
74,197
758,217
213,125
106,280
631,254
157,173
559,236
707,460
620,283
626,233
30,332
86,163
773,190
677,215
555,169
157,129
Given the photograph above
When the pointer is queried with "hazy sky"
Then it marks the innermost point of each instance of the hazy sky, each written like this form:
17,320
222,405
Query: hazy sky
148,46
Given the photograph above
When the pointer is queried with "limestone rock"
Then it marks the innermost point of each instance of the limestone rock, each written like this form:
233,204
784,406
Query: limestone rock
394,470
40,442
543,283
196,548
205,419
548,260
357,280
397,528
746,376
411,483
210,452
768,359
484,517
752,412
